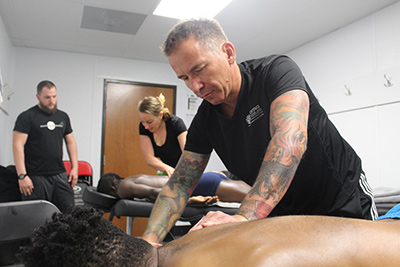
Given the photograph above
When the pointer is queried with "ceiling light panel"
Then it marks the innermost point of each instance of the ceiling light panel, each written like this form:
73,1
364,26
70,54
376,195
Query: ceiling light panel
185,9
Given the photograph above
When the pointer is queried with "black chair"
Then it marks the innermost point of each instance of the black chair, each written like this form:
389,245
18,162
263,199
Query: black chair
18,220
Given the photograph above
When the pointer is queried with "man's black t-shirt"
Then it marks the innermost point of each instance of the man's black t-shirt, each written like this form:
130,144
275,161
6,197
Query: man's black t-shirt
44,146
329,170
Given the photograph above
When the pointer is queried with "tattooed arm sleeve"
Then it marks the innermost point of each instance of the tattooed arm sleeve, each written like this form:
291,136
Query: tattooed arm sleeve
172,200
288,124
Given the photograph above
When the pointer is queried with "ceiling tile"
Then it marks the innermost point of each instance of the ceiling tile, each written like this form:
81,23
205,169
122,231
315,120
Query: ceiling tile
101,19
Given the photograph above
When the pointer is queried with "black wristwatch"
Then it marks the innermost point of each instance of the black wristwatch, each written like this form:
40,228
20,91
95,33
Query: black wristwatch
22,176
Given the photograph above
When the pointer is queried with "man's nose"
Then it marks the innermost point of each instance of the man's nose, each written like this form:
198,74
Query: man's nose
196,85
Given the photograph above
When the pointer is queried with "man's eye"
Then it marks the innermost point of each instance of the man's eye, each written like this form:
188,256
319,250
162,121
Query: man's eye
200,70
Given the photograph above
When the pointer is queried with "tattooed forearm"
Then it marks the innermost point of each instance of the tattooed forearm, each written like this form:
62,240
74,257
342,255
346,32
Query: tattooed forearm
289,118
273,181
173,197
188,172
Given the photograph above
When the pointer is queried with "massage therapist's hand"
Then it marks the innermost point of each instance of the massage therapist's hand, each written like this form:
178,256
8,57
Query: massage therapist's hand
25,186
155,245
169,171
216,217
152,241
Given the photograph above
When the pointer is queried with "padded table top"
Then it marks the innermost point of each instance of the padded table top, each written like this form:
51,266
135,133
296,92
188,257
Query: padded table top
142,208
125,207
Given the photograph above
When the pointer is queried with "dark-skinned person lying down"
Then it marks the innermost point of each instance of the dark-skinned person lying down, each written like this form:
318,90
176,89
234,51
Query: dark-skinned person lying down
83,237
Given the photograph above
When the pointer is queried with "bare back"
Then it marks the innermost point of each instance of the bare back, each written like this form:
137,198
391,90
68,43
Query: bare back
149,180
289,241
141,186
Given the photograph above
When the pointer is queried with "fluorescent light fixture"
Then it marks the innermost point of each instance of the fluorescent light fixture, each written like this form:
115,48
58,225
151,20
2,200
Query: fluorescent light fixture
185,9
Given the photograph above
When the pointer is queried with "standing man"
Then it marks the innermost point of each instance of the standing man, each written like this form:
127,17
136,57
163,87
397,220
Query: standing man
38,151
266,125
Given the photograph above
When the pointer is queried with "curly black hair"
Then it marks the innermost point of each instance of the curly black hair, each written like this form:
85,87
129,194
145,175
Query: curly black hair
82,237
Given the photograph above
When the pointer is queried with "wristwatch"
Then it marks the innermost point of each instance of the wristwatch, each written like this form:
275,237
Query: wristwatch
22,176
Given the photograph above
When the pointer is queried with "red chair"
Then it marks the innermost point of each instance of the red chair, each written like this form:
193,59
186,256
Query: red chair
85,172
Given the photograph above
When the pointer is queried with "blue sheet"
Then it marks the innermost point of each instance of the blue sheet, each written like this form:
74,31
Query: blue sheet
393,213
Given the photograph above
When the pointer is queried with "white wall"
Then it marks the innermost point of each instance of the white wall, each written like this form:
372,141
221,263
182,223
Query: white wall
80,82
6,58
358,56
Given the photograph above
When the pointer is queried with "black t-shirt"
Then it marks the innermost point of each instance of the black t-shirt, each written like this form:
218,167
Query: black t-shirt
329,170
44,146
170,151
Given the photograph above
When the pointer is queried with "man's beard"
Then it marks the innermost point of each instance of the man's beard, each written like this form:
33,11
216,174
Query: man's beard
48,110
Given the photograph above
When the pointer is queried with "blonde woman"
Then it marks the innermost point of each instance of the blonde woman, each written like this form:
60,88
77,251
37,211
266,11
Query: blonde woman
162,140
162,135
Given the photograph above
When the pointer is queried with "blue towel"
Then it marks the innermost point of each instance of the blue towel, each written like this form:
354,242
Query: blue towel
393,213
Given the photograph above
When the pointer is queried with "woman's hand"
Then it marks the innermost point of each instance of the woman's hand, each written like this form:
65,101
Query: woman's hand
201,199
169,171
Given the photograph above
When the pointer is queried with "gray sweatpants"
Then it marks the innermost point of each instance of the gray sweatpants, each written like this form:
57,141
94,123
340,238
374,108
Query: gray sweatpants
53,188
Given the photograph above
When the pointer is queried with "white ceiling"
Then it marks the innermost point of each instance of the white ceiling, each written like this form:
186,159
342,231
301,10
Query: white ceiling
256,27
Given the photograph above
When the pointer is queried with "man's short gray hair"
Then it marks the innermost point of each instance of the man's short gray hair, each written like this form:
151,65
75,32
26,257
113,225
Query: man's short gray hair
207,31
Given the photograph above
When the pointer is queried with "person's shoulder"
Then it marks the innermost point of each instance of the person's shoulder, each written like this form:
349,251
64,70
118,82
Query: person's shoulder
29,112
144,131
35,108
25,118
61,112
175,119
263,61
177,123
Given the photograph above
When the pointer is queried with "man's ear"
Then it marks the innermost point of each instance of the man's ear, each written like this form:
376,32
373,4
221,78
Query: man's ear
113,191
229,49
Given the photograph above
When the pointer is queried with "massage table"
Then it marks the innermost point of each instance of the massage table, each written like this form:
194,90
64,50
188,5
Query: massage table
142,207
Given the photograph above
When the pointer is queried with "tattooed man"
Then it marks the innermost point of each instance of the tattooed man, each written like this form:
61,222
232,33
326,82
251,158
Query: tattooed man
266,125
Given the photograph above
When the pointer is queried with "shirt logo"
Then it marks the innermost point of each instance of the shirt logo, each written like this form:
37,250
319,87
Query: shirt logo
51,125
254,114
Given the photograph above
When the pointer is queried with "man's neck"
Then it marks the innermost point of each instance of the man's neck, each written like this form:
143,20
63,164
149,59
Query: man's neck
163,255
228,107
154,258
157,261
